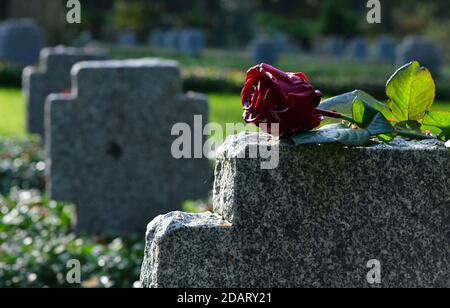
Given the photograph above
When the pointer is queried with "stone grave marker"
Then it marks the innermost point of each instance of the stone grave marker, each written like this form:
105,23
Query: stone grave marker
20,41
109,144
385,49
423,50
52,75
334,46
358,49
264,50
127,38
171,40
327,216
156,39
191,42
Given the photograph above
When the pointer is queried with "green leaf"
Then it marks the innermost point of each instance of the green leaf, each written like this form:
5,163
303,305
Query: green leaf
411,91
440,120
344,104
363,113
380,126
370,118
345,136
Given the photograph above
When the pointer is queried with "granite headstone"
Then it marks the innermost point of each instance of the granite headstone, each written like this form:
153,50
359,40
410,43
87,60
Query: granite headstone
385,49
20,41
319,219
264,50
52,75
109,144
358,49
423,50
334,46
191,42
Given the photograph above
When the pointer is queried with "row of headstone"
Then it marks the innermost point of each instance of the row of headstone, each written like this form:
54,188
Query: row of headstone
107,127
358,48
189,42
385,49
267,49
305,223
127,38
20,41
52,75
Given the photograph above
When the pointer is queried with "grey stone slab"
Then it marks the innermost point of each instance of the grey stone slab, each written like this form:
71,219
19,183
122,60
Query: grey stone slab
109,144
315,221
20,41
52,75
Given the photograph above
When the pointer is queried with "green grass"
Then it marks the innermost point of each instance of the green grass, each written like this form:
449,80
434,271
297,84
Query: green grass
12,113
224,108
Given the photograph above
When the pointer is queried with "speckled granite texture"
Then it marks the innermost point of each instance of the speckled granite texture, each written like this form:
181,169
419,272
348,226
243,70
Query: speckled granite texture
109,145
52,76
315,221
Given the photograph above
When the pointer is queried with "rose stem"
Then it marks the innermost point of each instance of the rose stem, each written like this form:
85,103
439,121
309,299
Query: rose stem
400,132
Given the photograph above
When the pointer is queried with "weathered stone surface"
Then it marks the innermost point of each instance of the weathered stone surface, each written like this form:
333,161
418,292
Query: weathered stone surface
20,41
423,50
109,144
315,221
52,76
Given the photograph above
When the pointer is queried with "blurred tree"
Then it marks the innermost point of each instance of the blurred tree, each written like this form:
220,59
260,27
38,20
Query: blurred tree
337,18
4,8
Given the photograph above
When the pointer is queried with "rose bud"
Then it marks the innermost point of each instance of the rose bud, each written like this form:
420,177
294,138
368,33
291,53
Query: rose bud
271,96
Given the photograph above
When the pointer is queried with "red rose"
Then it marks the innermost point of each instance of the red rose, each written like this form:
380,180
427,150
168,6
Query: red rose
273,96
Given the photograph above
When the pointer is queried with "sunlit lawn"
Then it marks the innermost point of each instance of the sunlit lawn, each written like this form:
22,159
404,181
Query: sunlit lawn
224,108
12,113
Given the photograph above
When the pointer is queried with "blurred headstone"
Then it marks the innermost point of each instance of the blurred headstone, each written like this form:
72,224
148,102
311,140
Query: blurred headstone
191,42
264,50
127,38
334,46
83,39
109,144
423,50
156,39
358,49
385,49
282,43
52,75
20,41
171,40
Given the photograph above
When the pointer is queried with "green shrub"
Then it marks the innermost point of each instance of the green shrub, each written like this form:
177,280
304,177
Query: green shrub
36,244
35,234
10,77
21,165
